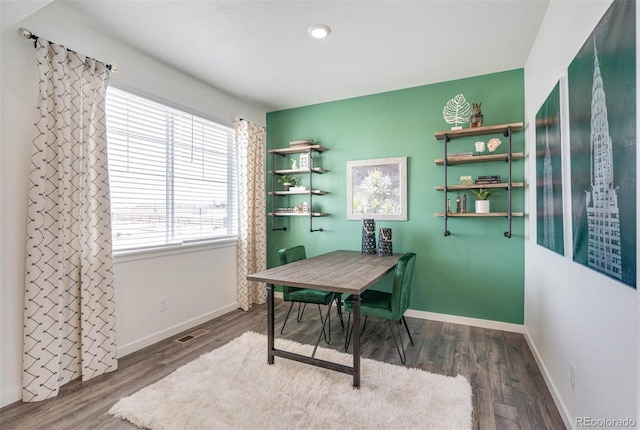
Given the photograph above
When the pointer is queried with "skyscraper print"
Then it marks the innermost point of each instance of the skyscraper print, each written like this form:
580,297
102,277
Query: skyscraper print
602,123
549,174
601,202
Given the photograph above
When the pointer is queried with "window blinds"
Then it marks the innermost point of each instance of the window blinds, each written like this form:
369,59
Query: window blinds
172,174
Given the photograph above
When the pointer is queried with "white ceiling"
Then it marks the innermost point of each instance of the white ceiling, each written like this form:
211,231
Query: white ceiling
260,52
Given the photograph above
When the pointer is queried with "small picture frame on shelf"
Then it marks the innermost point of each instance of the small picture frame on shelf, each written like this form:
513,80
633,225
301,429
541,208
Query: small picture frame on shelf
305,161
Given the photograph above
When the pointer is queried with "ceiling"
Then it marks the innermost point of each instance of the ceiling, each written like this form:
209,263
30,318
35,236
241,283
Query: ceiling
260,52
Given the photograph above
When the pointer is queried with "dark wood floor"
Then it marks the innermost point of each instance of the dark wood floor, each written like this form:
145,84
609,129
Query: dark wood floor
508,389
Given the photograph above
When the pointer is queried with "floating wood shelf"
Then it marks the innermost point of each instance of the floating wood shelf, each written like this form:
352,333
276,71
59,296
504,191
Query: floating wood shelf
478,186
292,193
298,149
478,131
297,171
473,214
313,214
478,158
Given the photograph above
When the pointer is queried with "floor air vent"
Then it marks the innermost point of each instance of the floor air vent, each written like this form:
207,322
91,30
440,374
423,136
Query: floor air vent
191,336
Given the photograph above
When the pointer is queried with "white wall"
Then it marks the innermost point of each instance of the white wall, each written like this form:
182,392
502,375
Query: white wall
574,315
199,284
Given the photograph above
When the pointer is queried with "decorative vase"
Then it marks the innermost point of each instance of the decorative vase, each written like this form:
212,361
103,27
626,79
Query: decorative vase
482,206
476,120
385,244
369,236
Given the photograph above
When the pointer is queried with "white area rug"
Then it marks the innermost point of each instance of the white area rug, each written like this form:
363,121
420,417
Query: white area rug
233,387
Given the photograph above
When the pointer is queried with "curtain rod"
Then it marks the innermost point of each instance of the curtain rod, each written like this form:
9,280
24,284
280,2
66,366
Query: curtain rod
26,34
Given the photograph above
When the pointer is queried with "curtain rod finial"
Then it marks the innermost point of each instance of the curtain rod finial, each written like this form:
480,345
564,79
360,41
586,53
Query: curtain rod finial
24,33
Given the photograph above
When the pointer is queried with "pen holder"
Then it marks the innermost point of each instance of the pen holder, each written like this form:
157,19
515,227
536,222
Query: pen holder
368,236
385,245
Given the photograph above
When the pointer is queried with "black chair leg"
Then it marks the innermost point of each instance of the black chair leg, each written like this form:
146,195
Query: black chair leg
301,312
324,322
403,355
404,320
286,318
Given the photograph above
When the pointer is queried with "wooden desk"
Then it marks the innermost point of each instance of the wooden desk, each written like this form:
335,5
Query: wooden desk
338,271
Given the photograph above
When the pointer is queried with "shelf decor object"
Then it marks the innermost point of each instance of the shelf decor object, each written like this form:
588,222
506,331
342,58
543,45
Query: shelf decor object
457,111
476,115
385,242
483,204
369,236
484,184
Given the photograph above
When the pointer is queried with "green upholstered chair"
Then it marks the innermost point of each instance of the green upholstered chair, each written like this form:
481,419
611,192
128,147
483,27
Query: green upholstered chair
390,306
303,296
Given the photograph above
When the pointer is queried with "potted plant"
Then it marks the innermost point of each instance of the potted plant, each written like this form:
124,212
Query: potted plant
288,181
482,199
476,114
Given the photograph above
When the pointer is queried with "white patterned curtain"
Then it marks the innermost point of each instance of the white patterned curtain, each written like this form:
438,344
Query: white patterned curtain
252,231
69,317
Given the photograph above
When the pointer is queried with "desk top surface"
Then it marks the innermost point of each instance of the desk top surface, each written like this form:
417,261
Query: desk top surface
340,271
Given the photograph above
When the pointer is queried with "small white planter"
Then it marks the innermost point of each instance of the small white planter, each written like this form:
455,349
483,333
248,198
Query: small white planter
482,206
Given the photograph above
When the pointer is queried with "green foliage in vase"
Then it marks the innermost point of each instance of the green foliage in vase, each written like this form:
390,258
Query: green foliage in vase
482,193
288,179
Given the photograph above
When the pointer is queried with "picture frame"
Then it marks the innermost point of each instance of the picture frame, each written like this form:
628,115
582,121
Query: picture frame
549,214
603,176
305,161
377,189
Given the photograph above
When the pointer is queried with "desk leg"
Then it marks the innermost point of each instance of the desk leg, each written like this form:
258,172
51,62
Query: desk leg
270,323
356,340
324,323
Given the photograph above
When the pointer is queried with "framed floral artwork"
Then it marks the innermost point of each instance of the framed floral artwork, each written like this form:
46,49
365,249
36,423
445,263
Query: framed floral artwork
377,189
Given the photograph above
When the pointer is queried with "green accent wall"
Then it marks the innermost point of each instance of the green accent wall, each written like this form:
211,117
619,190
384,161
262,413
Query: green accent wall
476,272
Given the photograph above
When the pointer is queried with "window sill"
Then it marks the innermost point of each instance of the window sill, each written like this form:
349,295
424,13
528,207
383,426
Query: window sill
148,253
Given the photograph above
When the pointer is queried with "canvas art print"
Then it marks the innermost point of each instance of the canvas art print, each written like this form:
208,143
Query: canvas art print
549,174
377,189
602,120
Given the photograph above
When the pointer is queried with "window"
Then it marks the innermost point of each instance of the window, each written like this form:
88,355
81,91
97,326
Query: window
172,174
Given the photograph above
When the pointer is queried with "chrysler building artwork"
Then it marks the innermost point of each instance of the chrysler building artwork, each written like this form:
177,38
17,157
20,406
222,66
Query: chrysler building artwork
547,198
603,214
549,174
603,133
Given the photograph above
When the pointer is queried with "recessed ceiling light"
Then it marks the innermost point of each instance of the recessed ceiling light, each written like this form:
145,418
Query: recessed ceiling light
319,31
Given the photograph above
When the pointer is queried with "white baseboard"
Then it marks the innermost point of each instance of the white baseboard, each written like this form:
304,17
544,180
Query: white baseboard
14,395
10,396
171,331
474,322
564,413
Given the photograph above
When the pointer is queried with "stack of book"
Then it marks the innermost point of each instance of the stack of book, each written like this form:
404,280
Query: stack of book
490,179
299,143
